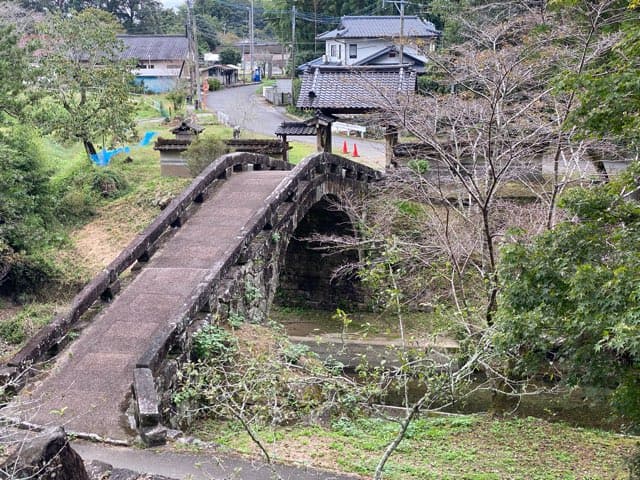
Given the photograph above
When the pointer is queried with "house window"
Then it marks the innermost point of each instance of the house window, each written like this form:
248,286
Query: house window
339,51
353,50
334,51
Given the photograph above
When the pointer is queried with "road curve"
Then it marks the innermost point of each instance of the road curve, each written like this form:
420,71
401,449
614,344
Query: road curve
253,113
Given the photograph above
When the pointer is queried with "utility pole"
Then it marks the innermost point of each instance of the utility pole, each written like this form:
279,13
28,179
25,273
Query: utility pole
401,32
293,46
196,64
399,4
190,58
251,40
196,91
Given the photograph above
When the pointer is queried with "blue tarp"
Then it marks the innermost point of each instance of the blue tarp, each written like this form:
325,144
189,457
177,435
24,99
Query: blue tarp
146,140
103,157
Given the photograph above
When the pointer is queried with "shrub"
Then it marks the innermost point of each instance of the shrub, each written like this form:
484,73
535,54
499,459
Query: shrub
12,331
177,97
107,182
214,84
28,273
213,341
75,205
204,151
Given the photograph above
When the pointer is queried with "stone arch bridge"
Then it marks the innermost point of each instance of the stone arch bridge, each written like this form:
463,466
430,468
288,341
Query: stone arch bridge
222,246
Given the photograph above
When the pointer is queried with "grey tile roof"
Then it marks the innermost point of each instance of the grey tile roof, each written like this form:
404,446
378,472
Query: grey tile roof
155,47
312,63
380,27
295,128
343,89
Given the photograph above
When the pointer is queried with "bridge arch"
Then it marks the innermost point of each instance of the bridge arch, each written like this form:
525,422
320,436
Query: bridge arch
313,273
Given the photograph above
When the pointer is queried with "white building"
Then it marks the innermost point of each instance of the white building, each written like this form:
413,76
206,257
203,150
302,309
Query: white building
366,40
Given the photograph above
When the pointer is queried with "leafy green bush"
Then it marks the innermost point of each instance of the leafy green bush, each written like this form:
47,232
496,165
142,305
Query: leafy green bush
570,297
204,151
106,182
75,205
214,84
29,273
12,331
293,352
419,166
177,97
213,341
25,194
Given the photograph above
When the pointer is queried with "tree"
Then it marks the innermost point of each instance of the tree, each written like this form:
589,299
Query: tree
609,91
86,82
230,56
14,73
570,304
25,201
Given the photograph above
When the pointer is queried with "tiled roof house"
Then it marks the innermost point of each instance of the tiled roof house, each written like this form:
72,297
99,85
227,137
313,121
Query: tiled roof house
357,89
160,59
374,40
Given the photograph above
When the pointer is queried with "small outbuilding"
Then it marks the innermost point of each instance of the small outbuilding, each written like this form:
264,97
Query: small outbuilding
172,161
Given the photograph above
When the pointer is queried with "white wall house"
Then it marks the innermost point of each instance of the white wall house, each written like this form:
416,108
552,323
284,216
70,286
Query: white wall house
371,40
160,59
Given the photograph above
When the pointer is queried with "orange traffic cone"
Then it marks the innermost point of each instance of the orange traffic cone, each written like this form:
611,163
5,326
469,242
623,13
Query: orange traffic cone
355,151
345,149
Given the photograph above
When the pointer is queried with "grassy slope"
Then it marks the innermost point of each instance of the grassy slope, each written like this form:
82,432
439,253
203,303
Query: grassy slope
460,447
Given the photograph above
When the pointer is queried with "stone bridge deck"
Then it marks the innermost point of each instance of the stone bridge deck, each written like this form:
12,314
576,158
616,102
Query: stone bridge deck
88,388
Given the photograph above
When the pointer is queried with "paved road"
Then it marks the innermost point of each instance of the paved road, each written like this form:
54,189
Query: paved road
209,465
88,388
249,110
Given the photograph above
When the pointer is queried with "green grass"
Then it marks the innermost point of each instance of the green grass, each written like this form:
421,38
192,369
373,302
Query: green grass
299,151
16,329
363,323
461,447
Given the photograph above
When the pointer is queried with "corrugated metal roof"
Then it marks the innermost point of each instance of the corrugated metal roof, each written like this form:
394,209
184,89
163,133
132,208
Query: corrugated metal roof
340,89
155,47
380,27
